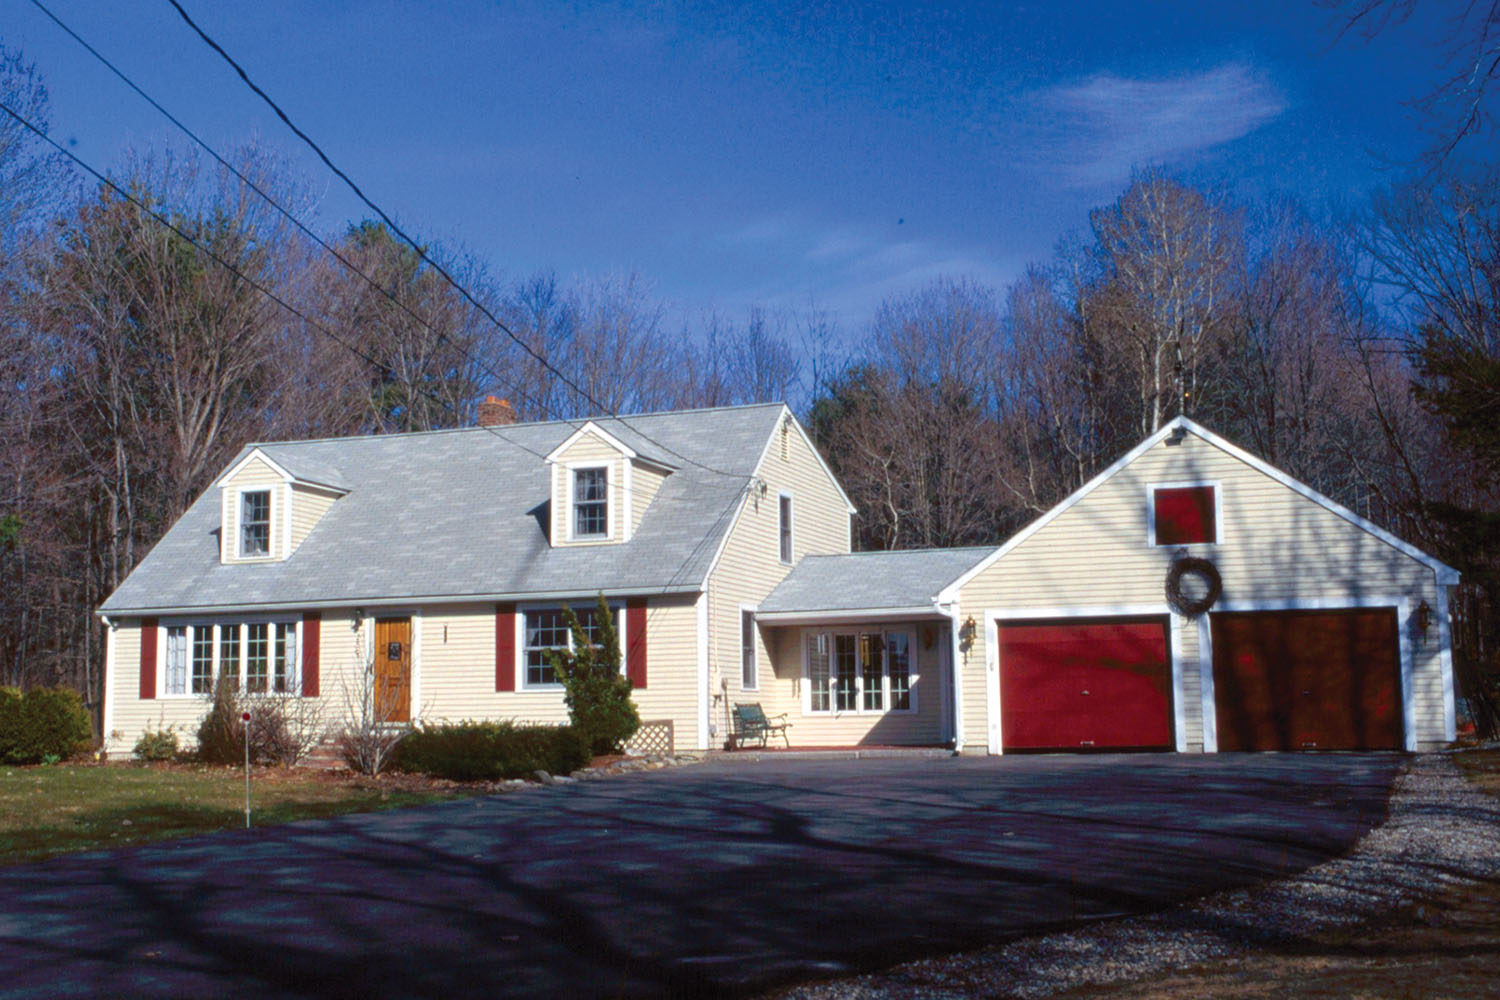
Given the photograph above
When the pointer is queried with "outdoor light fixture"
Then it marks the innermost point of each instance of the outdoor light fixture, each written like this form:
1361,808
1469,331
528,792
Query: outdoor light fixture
1422,619
359,618
967,632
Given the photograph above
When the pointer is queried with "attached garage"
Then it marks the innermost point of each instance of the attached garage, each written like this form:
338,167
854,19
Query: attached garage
1086,684
1307,680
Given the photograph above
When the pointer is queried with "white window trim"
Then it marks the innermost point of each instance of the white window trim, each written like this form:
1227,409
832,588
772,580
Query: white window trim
616,608
611,506
791,527
913,675
238,495
1218,489
754,647
239,622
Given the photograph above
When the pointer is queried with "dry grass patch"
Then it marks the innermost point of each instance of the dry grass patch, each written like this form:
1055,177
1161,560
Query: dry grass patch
47,811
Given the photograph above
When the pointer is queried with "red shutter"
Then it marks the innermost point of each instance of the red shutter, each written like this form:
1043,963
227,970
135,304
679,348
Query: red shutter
1185,515
635,648
312,640
505,647
148,657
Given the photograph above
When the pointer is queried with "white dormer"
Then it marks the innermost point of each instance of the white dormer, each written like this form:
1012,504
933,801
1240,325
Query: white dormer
600,487
267,510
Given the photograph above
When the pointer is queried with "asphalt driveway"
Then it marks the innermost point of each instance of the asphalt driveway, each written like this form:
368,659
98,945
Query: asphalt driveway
720,878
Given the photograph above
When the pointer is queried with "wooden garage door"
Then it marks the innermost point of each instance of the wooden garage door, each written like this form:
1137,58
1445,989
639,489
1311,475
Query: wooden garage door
1307,680
1085,684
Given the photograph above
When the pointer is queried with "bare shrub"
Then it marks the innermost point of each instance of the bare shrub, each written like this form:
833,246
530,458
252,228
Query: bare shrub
368,736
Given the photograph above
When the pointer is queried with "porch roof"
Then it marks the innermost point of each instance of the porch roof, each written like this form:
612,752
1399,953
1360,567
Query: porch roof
869,582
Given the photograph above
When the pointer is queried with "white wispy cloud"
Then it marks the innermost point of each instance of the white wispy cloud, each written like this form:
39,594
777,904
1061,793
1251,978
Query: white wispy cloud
1094,131
850,269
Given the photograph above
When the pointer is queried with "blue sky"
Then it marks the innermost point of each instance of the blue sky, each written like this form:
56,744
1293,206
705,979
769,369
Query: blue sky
738,154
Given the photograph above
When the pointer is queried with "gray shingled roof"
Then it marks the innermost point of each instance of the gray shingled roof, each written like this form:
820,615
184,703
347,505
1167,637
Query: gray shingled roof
870,581
463,513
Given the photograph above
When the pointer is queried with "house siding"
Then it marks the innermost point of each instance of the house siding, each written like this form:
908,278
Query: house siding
309,504
1274,546
457,669
645,483
750,567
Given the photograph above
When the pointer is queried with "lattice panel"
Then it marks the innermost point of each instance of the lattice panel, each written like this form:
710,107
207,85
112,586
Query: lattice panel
653,738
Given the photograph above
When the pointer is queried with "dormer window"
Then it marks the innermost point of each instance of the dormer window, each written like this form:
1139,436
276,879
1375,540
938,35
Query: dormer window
255,524
591,502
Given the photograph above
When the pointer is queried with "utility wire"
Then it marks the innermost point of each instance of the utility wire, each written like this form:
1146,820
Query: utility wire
511,388
391,223
163,220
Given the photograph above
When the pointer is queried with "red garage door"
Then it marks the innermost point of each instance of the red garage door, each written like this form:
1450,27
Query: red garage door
1307,680
1069,685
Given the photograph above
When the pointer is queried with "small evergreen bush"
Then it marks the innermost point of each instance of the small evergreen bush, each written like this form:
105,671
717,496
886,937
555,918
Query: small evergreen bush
596,692
488,751
42,725
157,744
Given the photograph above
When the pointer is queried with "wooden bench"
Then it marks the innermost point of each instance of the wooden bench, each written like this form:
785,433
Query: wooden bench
750,723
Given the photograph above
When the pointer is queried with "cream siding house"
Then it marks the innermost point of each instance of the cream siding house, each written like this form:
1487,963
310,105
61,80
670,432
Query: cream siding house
437,563
443,559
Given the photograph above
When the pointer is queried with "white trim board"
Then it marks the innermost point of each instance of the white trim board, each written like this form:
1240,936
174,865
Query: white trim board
1446,575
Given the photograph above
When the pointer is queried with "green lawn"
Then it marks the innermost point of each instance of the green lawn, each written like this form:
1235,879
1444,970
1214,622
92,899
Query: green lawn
46,811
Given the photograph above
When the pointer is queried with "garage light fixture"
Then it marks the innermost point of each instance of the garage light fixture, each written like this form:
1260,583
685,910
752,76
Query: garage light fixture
1422,620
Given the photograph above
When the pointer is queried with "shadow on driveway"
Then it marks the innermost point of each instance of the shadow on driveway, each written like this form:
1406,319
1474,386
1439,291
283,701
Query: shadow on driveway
720,878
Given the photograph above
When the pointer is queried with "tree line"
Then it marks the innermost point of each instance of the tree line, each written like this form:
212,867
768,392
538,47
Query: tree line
153,326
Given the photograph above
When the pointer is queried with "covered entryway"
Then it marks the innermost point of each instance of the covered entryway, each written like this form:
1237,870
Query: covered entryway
1085,684
1307,680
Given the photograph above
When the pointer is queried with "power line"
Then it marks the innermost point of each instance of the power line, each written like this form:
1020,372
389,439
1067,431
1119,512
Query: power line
391,223
166,222
289,216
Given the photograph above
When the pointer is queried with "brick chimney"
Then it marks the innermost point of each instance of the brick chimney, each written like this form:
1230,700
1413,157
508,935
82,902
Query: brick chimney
495,411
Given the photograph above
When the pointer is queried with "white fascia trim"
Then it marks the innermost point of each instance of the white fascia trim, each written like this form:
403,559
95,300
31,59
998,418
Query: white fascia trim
1218,488
955,657
713,564
850,614
253,453
994,616
589,427
788,416
1401,604
383,603
415,711
1445,574
950,592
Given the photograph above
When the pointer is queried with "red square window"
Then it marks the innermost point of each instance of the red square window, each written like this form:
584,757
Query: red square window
1184,515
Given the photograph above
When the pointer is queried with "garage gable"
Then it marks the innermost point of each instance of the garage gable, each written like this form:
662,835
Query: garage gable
1105,552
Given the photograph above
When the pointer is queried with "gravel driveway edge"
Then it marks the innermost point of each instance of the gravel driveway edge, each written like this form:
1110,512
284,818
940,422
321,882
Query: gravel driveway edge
1439,834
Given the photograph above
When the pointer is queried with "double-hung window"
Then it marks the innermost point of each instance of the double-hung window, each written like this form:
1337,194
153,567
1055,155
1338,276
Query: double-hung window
859,672
255,523
590,503
255,657
547,631
748,678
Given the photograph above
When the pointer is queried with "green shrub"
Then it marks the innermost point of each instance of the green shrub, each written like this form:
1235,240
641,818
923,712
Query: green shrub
488,751
596,692
44,724
157,744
